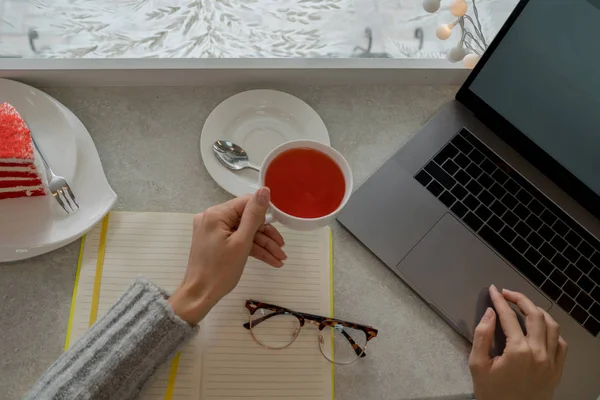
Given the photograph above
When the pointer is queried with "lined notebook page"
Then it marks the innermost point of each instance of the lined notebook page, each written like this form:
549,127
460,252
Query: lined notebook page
223,362
153,245
235,366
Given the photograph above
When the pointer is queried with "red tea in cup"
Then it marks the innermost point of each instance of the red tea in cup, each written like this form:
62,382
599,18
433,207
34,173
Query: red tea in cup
305,183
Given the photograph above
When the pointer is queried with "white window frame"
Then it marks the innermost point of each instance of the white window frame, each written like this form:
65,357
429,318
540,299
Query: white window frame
197,72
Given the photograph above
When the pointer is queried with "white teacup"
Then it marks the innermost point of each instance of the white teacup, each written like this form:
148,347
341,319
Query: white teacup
306,224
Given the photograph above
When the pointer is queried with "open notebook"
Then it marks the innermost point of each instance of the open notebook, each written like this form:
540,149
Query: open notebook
222,362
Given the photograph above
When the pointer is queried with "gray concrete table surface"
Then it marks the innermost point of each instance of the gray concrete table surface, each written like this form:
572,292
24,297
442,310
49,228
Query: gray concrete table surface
147,139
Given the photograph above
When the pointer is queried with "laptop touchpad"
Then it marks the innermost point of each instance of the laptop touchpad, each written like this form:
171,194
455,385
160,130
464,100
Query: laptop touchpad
449,268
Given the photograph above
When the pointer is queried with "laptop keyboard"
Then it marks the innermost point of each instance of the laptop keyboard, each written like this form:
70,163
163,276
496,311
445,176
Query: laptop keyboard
546,245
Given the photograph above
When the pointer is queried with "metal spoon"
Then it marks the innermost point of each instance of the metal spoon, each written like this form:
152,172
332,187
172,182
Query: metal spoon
232,156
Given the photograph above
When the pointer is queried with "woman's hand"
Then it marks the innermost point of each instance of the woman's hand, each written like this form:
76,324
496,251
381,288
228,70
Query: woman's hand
223,238
531,366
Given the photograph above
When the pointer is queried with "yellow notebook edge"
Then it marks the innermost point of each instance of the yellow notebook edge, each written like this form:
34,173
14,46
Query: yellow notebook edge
331,304
99,268
172,377
74,297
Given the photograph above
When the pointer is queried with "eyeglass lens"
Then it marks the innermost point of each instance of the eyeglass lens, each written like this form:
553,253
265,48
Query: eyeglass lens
274,329
342,345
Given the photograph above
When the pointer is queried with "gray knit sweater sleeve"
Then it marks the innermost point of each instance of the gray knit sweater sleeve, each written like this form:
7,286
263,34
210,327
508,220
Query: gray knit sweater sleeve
120,352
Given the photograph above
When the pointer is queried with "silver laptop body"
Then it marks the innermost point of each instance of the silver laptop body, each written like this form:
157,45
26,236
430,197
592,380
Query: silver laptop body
458,208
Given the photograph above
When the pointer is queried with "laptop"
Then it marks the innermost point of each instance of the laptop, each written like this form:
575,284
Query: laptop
502,185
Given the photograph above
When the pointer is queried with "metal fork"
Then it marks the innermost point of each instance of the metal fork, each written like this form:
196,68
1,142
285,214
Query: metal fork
58,185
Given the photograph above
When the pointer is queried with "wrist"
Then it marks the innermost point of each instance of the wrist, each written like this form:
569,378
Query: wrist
191,303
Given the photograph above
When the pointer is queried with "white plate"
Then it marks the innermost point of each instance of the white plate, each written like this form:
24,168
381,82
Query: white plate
34,226
258,121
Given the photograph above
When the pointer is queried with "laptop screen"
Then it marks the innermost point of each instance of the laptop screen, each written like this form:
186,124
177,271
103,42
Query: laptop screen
544,78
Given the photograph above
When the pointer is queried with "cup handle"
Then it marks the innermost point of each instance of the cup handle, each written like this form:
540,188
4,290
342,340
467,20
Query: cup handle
269,219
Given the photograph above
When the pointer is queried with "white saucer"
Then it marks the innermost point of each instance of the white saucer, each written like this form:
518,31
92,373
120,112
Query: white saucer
258,121
35,226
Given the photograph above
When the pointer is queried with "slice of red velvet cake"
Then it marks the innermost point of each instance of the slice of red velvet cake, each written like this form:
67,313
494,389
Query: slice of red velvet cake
19,175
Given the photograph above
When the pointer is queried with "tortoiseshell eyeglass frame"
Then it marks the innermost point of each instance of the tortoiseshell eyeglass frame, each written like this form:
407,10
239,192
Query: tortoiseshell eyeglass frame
322,322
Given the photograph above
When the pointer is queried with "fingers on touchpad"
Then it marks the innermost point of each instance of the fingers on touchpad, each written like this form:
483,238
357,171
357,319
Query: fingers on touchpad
451,266
499,343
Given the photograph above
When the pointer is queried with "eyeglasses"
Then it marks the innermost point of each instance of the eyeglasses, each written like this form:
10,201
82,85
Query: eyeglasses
277,327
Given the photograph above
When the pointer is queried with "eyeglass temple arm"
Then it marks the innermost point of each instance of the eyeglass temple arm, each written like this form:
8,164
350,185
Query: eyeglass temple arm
359,352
